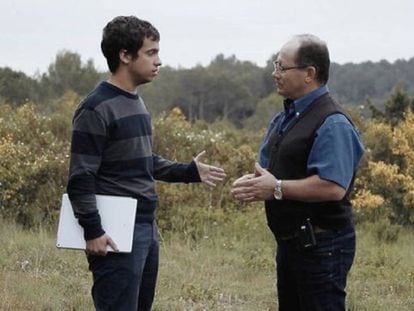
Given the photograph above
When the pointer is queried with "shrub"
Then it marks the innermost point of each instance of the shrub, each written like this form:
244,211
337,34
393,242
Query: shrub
34,149
177,139
34,153
34,161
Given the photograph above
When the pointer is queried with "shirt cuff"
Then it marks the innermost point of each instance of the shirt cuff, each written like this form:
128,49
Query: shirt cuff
91,224
192,174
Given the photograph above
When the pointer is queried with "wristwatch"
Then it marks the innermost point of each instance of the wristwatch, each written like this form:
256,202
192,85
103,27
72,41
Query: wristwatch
278,194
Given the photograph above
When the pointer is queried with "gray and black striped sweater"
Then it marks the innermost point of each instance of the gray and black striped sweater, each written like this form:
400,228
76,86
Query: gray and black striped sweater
111,153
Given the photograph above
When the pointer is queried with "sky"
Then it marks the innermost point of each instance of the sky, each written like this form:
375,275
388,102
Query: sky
194,32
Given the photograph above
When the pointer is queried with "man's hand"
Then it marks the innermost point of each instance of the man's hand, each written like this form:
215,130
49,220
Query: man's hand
244,177
238,182
98,246
208,174
254,187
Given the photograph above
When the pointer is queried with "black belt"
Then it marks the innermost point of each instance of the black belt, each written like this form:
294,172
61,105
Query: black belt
294,235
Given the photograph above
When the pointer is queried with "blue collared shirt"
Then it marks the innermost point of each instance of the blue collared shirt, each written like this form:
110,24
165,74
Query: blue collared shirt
337,147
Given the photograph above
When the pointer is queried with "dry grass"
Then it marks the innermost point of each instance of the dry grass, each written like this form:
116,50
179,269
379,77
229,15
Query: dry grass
230,267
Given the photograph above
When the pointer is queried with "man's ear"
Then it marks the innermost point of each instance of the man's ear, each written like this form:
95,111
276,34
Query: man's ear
310,74
124,56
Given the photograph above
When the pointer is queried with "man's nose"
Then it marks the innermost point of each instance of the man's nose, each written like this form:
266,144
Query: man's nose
158,62
276,74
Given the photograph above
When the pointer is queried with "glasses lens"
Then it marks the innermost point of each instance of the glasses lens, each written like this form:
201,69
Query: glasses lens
277,66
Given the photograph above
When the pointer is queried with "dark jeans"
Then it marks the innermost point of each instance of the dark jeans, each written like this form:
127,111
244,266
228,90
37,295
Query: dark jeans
126,281
315,279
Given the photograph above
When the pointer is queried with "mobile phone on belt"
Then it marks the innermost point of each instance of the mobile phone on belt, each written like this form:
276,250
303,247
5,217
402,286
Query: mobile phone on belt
307,235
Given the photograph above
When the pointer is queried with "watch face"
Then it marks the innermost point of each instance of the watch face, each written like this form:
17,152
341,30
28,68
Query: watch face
277,194
278,190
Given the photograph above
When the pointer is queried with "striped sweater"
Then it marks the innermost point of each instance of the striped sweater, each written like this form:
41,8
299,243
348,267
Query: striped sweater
111,153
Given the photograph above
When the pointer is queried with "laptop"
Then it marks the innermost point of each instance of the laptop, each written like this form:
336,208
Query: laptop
117,218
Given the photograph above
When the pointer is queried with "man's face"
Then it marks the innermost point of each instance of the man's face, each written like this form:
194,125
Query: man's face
145,67
290,83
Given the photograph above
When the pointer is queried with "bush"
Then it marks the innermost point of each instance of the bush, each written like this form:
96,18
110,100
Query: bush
35,150
34,159
177,139
34,153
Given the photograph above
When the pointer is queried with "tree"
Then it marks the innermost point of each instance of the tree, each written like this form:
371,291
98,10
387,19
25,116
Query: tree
396,106
159,95
16,88
68,73
267,79
265,110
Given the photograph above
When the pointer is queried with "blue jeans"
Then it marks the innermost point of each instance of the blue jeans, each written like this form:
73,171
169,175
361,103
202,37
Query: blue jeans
315,279
126,281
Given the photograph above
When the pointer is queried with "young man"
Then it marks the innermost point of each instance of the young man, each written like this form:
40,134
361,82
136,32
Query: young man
111,153
311,152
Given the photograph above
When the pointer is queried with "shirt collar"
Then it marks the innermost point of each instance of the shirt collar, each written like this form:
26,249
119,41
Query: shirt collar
288,105
300,104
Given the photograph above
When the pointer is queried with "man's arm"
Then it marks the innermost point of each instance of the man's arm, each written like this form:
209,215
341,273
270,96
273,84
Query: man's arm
261,186
333,160
195,171
171,171
88,141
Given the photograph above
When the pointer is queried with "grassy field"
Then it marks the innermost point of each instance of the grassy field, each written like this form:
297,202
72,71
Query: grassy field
227,267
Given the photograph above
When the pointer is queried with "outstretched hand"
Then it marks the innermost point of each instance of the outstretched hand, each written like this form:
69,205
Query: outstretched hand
209,174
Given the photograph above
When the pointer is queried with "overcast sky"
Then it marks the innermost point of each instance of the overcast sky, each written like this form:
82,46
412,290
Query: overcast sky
195,31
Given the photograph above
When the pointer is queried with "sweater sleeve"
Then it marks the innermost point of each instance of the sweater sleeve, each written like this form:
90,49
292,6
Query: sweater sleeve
88,142
171,171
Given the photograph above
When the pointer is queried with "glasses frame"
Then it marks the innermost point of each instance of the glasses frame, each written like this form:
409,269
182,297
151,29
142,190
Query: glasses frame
279,68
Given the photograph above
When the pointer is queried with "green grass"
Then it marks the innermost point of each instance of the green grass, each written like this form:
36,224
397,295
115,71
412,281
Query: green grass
34,275
224,266
382,277
230,267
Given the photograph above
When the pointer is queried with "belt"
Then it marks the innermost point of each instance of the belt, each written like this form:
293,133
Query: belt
317,229
288,237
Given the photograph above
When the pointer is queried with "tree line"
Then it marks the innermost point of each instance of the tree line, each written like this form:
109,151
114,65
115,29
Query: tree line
222,108
227,88
34,153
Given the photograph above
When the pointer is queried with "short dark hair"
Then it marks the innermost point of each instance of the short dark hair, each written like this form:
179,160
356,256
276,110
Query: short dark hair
125,32
314,52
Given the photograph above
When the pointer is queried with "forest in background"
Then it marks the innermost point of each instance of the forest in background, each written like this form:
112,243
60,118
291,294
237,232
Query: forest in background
227,88
34,153
224,109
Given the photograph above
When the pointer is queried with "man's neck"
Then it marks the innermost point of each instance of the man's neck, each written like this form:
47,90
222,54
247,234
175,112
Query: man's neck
124,84
307,90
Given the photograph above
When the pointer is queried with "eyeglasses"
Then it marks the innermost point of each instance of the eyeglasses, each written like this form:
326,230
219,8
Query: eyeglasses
278,67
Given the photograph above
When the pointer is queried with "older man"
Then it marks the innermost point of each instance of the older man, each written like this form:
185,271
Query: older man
308,161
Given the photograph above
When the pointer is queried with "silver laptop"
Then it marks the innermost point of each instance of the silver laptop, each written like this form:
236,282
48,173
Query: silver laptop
117,217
